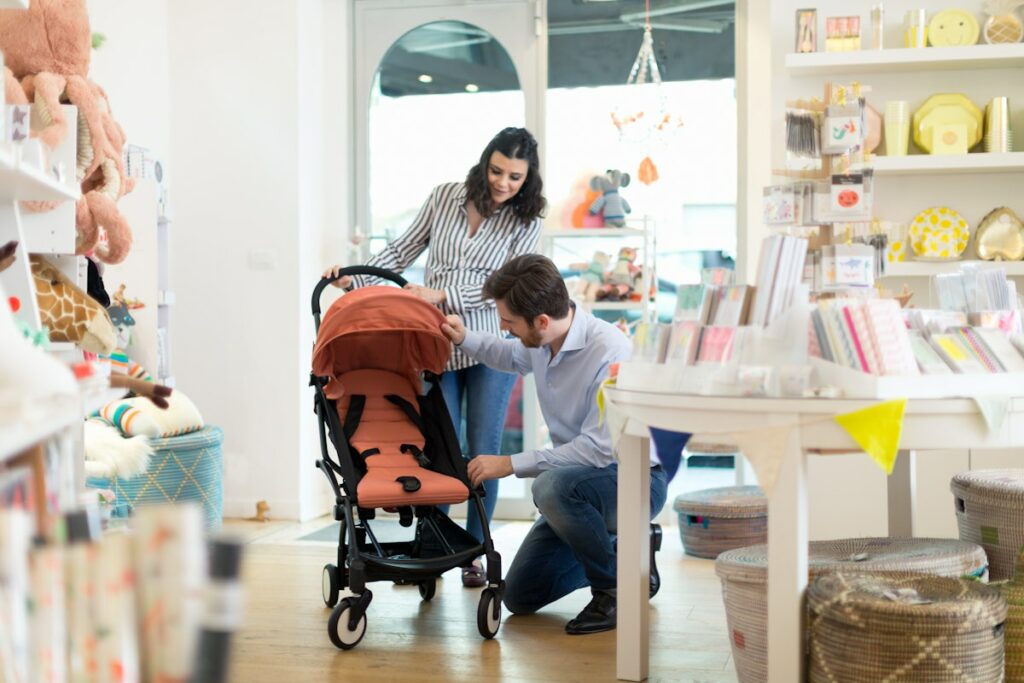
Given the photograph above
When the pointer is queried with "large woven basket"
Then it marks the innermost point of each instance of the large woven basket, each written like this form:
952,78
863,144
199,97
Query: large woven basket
715,520
187,467
1013,591
990,512
867,628
744,575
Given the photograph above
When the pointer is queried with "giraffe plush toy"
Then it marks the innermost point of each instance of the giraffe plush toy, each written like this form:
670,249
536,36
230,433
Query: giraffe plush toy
70,313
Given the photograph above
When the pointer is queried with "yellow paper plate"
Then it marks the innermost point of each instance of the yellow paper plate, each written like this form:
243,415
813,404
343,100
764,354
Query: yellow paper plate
947,108
953,27
939,233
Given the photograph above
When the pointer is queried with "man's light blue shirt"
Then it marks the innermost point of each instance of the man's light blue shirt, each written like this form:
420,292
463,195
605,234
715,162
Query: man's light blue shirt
566,388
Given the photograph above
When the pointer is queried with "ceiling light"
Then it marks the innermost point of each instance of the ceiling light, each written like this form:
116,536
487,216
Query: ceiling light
472,87
426,78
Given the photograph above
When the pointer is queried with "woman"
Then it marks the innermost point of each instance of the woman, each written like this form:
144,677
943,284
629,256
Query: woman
472,229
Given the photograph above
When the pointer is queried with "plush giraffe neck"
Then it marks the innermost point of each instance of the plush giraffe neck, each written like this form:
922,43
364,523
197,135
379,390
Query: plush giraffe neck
69,313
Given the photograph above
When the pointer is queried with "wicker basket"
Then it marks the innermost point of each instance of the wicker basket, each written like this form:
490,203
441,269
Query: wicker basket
187,467
1013,591
744,575
867,628
715,520
990,512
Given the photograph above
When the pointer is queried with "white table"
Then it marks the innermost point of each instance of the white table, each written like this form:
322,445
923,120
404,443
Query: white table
928,424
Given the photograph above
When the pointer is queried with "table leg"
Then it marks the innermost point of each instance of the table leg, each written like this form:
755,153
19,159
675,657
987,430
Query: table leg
787,562
902,496
634,562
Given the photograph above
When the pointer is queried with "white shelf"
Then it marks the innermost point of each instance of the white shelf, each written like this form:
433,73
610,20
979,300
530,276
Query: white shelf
19,181
18,433
613,305
593,232
929,164
907,59
929,268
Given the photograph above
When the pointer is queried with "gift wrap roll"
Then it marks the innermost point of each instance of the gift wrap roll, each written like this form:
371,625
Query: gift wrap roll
48,620
170,567
118,640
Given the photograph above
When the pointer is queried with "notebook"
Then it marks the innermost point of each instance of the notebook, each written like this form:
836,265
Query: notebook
980,349
999,344
716,344
928,359
956,353
890,338
732,306
683,343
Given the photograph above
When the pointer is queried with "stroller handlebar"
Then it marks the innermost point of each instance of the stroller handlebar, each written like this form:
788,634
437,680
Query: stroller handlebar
372,271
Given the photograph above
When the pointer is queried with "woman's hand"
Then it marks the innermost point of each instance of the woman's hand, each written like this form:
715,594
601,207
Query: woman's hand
343,283
431,296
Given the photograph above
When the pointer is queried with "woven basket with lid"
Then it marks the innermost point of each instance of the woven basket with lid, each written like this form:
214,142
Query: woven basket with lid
744,575
990,512
715,520
870,628
1013,591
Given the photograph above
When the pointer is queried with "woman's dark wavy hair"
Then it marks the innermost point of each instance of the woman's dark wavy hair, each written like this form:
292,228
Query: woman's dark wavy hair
529,202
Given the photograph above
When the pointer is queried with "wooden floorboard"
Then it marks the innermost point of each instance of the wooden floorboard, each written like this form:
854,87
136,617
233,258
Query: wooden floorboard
285,636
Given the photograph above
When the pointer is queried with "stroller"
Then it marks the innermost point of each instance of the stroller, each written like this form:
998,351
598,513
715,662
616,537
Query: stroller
396,449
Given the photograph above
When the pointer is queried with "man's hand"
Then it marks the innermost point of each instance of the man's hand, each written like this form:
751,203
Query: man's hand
431,296
485,467
453,327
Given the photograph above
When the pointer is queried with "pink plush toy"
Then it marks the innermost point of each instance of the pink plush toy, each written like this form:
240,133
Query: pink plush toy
47,51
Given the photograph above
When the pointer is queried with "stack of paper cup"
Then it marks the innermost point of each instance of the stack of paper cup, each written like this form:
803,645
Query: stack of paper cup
998,136
897,128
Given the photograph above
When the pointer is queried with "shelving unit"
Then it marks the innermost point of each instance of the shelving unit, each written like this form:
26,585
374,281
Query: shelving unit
906,60
928,268
929,164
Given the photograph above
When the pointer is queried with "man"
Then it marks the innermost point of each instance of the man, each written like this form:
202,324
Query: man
569,352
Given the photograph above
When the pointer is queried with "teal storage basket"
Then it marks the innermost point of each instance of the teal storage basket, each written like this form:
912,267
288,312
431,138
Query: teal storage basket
188,467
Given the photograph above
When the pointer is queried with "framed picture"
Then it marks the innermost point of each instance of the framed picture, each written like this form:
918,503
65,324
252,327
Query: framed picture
806,30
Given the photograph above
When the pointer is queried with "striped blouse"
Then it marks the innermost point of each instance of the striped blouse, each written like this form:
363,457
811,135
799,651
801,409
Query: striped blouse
457,263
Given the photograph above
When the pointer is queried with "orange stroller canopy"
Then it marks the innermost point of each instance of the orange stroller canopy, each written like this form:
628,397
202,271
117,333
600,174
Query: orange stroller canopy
383,328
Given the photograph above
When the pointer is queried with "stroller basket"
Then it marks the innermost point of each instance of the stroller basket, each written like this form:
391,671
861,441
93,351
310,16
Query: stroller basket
377,364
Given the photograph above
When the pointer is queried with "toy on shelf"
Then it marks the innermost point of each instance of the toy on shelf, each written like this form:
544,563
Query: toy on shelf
611,204
592,277
71,314
8,254
47,51
621,281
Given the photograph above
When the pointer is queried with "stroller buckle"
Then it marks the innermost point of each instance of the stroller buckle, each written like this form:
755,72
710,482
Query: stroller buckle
409,484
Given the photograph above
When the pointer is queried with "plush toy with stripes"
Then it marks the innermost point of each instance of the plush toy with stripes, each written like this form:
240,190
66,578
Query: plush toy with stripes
140,416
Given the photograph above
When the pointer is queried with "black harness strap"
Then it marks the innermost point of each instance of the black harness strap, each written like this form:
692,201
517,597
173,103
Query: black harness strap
370,451
415,451
356,404
410,412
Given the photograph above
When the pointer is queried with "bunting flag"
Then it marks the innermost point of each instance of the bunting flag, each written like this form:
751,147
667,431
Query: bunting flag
669,448
610,382
877,430
994,410
765,448
616,423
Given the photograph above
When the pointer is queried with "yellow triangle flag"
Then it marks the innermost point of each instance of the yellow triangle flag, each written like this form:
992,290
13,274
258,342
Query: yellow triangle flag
877,430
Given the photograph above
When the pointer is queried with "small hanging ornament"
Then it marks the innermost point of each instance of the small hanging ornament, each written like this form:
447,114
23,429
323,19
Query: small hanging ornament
648,172
644,115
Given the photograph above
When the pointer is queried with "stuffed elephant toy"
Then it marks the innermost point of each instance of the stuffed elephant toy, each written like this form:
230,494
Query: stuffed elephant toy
614,206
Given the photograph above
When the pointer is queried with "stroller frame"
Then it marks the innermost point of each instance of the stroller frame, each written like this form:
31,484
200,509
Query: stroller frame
439,544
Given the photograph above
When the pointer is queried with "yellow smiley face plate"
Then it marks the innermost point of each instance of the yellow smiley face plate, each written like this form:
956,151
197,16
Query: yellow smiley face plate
953,27
939,233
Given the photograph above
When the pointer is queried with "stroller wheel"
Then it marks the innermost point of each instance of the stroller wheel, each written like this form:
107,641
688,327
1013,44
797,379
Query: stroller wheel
427,589
488,613
329,585
338,625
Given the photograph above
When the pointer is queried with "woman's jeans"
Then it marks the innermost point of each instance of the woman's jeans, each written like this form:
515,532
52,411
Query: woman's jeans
573,544
484,393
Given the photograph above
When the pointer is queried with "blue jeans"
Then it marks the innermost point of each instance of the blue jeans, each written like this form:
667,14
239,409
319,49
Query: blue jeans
572,545
485,393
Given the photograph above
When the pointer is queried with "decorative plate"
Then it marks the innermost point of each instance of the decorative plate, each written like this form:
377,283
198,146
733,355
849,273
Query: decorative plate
939,233
953,27
944,110
1000,236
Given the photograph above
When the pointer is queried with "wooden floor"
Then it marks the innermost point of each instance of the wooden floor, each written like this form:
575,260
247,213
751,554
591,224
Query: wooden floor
285,638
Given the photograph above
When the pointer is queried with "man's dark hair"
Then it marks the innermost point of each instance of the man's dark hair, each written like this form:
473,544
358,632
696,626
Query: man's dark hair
530,285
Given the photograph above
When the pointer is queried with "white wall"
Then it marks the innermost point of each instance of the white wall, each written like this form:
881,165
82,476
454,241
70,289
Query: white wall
133,67
247,214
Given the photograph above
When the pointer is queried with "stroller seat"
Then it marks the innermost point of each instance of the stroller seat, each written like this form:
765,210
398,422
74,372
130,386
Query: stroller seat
380,416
